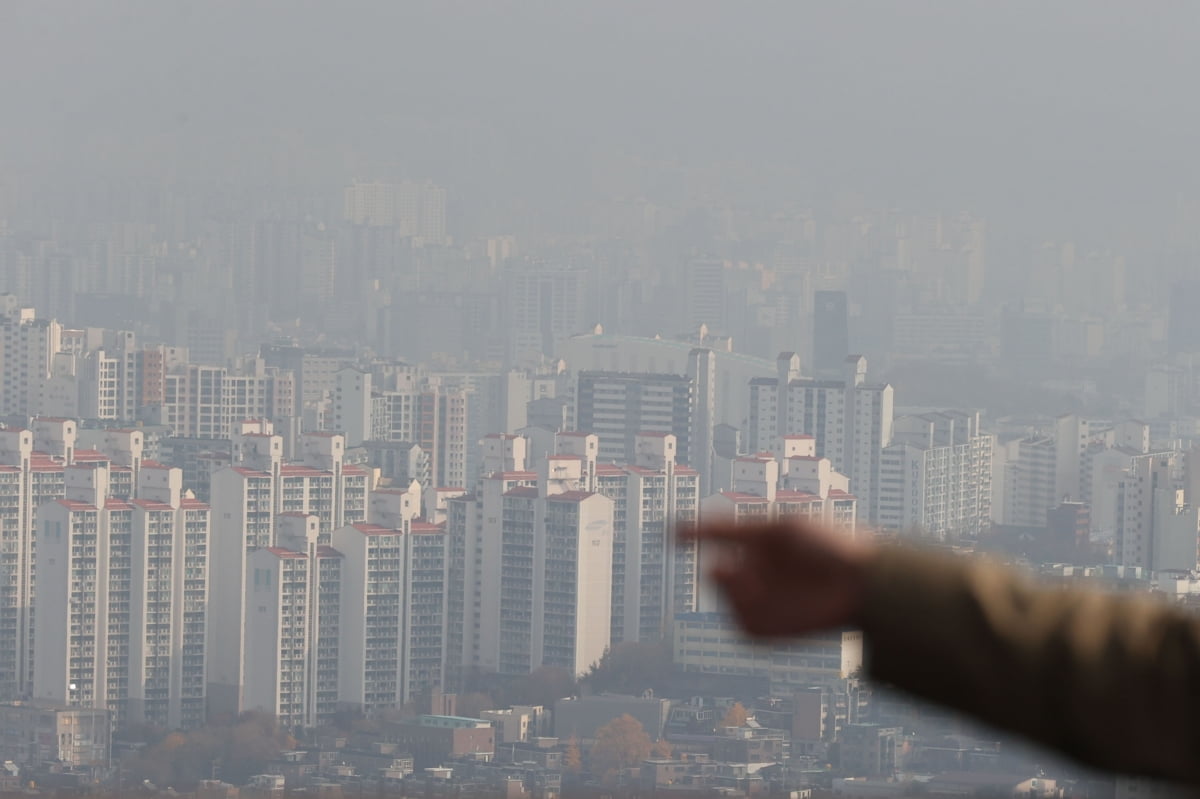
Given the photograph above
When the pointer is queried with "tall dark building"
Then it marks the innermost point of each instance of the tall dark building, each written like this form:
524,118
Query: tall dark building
617,406
831,332
1183,318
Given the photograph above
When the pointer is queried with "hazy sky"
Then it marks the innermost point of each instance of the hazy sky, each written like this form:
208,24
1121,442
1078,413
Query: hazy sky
1069,104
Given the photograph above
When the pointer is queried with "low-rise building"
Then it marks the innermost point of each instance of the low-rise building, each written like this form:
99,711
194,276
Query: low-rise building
434,740
34,732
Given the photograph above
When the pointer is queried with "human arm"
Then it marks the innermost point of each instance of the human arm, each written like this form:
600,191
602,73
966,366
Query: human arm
1111,681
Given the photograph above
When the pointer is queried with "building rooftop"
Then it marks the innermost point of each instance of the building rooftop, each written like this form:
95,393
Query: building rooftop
280,552
149,504
741,496
75,506
571,496
374,529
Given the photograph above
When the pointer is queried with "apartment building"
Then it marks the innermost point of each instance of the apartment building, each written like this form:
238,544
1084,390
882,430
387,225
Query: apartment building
850,421
395,568
653,576
247,499
123,598
33,469
936,476
712,643
1158,521
796,483
531,564
293,619
617,406
203,401
27,349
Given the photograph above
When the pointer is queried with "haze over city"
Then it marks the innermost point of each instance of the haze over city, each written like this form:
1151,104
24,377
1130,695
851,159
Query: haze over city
361,360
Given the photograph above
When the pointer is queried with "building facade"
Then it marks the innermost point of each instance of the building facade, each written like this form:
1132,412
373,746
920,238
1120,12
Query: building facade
123,599
850,421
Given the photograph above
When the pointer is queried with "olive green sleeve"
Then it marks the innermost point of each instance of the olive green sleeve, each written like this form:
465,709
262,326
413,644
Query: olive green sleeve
1113,681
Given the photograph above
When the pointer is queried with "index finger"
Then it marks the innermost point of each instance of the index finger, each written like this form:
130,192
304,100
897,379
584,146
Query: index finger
729,532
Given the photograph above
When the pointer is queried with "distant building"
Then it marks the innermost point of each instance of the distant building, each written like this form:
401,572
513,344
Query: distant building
1158,522
849,419
34,733
434,740
711,643
400,462
415,209
27,349
706,296
1023,480
518,724
616,407
603,352
831,332
581,717
795,482
544,305
870,750
1183,325
936,476
1068,530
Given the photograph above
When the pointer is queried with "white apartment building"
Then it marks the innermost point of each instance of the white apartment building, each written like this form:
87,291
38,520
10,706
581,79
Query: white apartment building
247,499
201,401
795,483
1158,522
27,349
442,419
393,624
712,643
33,468
936,477
850,421
293,619
531,565
653,576
123,598
1072,459
1024,480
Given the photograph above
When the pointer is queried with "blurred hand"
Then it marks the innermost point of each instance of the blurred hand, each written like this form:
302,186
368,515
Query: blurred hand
786,578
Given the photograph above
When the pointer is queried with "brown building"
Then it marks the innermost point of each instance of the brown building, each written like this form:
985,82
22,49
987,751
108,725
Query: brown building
1068,529
433,740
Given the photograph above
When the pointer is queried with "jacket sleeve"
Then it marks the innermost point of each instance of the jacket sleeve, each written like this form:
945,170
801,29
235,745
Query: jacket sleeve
1113,681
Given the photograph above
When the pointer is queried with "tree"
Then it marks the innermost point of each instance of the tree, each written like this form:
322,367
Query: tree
242,748
620,744
632,667
545,686
736,716
572,759
662,749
